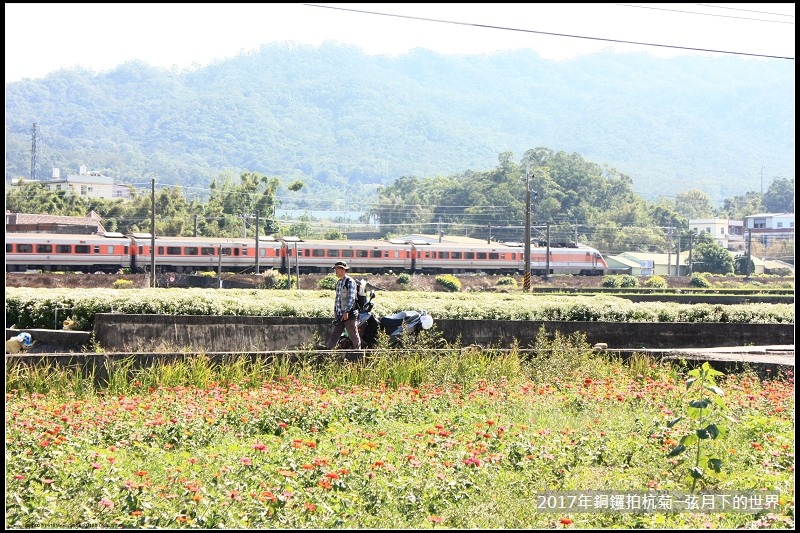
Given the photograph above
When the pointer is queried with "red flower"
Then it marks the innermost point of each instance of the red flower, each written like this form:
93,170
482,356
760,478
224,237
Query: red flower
566,521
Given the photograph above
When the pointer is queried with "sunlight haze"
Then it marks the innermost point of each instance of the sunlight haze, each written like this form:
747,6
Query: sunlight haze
43,38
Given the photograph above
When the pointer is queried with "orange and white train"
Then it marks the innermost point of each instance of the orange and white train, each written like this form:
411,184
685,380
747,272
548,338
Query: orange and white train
114,251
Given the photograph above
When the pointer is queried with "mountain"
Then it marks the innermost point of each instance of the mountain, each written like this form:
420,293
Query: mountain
343,122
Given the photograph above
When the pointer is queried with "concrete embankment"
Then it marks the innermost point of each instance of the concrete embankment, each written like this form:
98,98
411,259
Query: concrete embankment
115,332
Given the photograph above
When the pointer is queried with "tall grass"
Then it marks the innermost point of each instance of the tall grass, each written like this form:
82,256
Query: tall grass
424,359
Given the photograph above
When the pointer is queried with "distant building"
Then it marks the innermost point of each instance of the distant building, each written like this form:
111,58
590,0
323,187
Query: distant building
651,264
767,228
86,184
726,233
28,223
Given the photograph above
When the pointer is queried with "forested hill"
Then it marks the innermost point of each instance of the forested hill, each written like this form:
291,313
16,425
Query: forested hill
344,121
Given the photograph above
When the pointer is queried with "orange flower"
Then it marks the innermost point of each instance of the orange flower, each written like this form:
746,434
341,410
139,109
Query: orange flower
566,521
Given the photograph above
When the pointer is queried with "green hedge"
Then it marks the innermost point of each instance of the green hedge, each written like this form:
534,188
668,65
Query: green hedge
47,308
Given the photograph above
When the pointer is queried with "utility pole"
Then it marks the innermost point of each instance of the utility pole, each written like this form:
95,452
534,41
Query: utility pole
257,232
547,258
669,251
33,152
526,277
749,242
153,233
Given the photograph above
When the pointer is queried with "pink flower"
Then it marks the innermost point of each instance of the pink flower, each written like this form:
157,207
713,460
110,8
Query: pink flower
105,502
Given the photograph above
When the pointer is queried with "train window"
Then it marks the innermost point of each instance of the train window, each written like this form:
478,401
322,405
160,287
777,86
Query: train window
63,248
481,255
318,253
444,255
96,249
494,255
9,248
469,255
109,249
191,250
236,251
207,250
44,248
347,253
159,250
82,249
362,253
333,253
173,250
377,253
456,255
24,248
225,251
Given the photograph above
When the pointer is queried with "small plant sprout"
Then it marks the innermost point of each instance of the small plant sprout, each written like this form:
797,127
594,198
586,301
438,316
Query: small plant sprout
700,411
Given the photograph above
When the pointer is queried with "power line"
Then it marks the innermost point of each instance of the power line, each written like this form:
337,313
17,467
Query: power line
747,10
712,14
539,32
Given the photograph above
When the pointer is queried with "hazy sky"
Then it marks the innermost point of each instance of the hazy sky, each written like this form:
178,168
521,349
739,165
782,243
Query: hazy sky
42,38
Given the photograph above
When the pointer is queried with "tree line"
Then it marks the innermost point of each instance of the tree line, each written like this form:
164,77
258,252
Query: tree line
574,199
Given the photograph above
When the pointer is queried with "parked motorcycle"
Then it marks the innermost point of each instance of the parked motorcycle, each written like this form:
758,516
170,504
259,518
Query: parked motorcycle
395,325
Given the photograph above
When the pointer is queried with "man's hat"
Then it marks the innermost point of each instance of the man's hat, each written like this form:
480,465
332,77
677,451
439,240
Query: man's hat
341,264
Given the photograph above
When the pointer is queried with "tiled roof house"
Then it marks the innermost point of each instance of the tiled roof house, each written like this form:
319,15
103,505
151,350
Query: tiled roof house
28,223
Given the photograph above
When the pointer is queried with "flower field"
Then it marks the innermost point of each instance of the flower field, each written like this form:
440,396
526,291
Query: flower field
397,440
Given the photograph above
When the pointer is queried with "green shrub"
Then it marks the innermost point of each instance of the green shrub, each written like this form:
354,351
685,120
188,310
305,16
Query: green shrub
449,282
328,282
656,282
404,278
626,280
699,280
275,280
123,284
611,281
507,280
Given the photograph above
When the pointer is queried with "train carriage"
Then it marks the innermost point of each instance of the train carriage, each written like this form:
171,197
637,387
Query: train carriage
55,252
191,254
507,258
362,256
112,252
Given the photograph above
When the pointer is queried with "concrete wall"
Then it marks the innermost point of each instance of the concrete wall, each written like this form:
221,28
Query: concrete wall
148,333
49,339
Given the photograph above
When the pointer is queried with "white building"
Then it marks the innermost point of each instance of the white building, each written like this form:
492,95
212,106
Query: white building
86,184
727,233
769,227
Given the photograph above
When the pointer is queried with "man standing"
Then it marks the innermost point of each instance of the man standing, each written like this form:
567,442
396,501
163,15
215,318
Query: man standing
344,311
